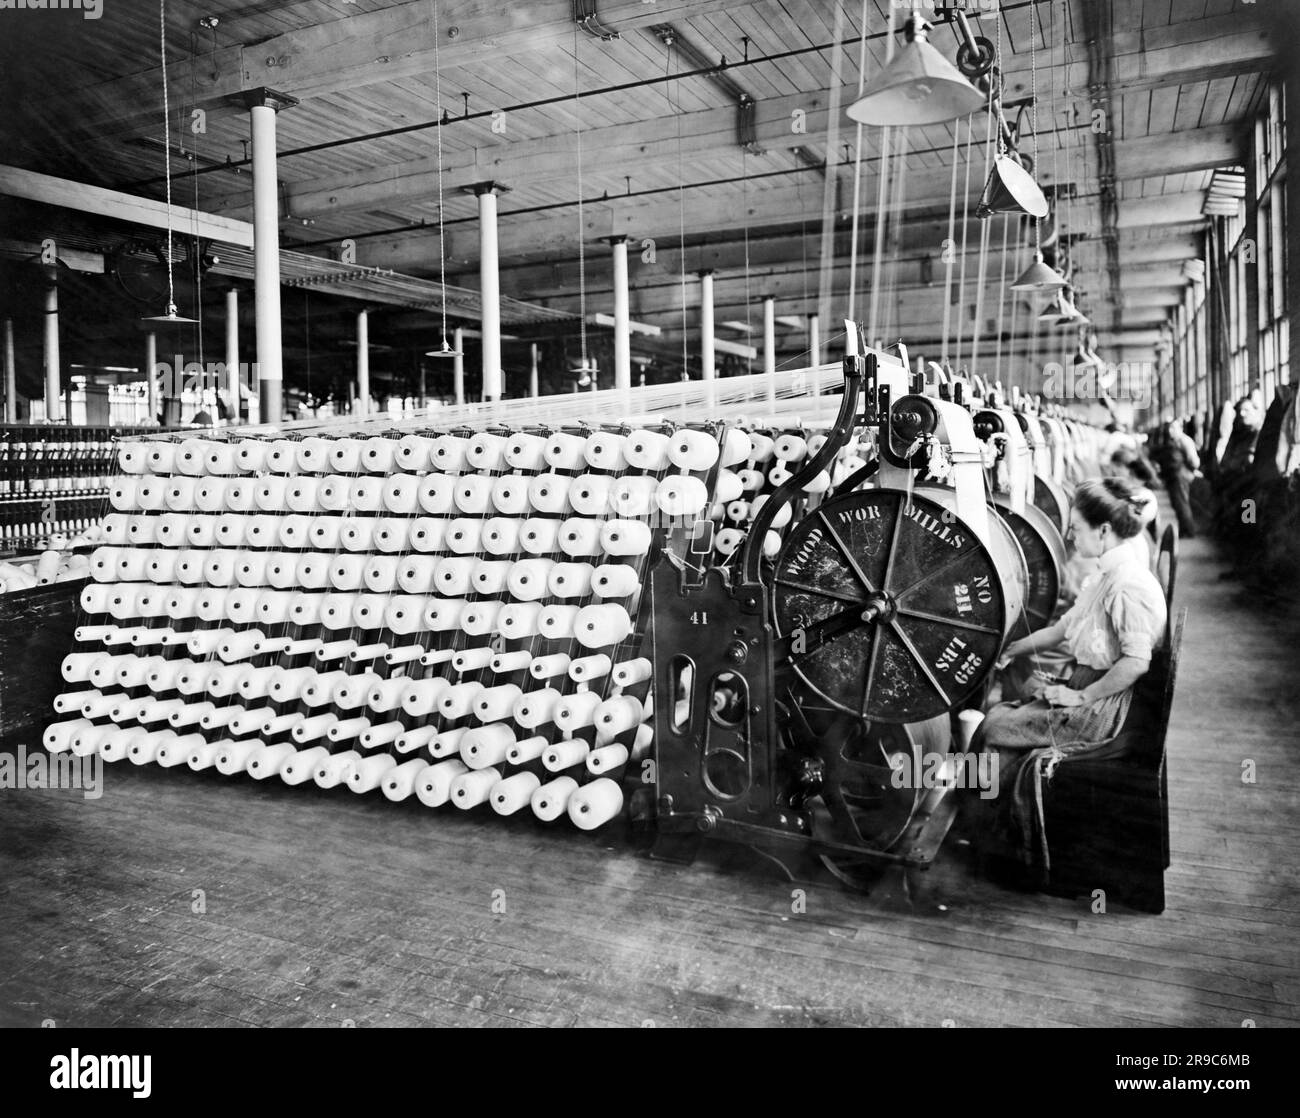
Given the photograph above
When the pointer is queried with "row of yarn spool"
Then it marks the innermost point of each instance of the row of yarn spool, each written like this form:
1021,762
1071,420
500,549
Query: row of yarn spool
519,685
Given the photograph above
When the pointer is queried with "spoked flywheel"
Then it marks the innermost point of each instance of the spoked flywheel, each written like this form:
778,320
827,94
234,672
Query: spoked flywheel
1044,552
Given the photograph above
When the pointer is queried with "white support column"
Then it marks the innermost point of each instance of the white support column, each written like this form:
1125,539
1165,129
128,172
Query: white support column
363,363
232,352
769,344
489,287
150,365
263,104
709,369
11,375
458,365
532,370
815,339
622,314
53,390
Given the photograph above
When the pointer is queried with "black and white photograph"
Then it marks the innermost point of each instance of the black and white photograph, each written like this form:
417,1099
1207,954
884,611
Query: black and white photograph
651,514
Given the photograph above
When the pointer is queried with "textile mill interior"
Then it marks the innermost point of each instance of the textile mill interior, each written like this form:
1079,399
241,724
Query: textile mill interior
606,513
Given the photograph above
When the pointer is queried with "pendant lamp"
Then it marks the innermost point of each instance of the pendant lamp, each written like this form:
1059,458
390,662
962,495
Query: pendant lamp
446,349
1039,277
919,86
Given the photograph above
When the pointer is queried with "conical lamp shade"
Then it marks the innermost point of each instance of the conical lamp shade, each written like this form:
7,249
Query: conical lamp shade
1038,277
170,318
919,86
445,351
1011,190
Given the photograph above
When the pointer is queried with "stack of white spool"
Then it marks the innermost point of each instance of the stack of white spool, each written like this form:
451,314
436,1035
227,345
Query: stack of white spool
450,617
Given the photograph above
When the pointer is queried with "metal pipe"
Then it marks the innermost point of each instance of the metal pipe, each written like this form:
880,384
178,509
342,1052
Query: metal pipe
708,364
363,363
151,374
53,410
769,344
622,328
532,371
489,289
458,364
11,375
815,339
232,352
266,259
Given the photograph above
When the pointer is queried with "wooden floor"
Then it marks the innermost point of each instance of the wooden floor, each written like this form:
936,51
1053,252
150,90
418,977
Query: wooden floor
324,908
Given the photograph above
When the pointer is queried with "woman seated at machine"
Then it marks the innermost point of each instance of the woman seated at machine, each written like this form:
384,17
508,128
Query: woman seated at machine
1109,635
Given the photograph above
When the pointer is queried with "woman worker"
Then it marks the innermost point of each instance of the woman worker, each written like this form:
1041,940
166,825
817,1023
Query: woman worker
1109,633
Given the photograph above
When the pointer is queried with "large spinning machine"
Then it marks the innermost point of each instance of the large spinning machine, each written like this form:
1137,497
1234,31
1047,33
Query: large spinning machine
743,629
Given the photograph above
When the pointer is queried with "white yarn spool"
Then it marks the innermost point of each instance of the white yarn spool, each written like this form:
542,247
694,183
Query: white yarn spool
494,704
415,573
231,529
421,697
345,571
472,659
633,496
500,535
528,578
631,672
387,694
604,450
180,494
133,457
815,443
334,494
489,576
366,775
210,605
433,784
551,800
762,447
403,654
510,495
190,680
98,704
618,714
751,481
771,545
115,527
646,450
250,457
401,494
483,746
121,495
452,578
458,699
405,614
435,493
778,475
479,619
464,535
599,626
269,494
682,496
151,601
380,573
204,756
527,750
192,456
58,737
535,708
275,607
285,684
586,668
507,662
449,453
219,567
384,734
549,493
473,788
131,563
368,611
738,512
595,804
298,767
575,711
399,781
269,760
151,493
312,455
162,457
251,568
570,580
282,456
240,494
104,562
345,455
428,534
251,721
379,455
162,676
121,601
538,536
614,580
525,452
414,452
144,529
565,754
589,494
548,667
517,620
358,533
555,622
319,690
486,451
790,448
728,488
177,750
336,610
606,758
367,493
233,756
513,793
625,537
313,728
564,451
295,531
144,748
95,597
302,494
446,743
334,769
392,534
819,484
169,530
696,451
579,536
325,532
737,447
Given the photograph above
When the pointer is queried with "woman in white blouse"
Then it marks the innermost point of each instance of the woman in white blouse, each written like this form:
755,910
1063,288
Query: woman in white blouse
1109,633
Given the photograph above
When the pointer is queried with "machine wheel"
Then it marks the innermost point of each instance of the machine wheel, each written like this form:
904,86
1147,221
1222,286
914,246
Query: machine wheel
1044,552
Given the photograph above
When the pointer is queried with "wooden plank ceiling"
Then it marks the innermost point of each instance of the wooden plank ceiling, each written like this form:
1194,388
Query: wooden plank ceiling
600,137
